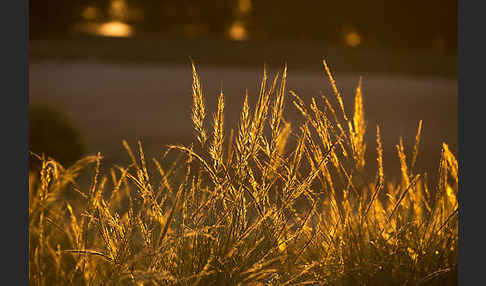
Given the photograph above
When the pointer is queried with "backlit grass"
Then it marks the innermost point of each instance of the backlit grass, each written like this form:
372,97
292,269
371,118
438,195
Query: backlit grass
267,203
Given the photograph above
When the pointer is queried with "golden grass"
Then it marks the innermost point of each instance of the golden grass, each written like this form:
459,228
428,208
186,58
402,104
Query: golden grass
270,211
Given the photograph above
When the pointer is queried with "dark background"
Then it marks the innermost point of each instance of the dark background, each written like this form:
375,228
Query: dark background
139,86
398,24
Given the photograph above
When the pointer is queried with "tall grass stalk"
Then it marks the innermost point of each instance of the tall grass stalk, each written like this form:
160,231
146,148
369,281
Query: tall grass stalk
286,205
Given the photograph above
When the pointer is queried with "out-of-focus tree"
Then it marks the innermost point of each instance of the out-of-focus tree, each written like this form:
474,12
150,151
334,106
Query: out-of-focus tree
410,23
186,16
285,19
55,17
52,133
396,23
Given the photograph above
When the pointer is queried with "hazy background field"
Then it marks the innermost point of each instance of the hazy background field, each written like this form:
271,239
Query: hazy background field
110,99
121,69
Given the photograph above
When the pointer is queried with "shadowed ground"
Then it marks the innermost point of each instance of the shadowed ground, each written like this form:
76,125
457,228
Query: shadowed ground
111,102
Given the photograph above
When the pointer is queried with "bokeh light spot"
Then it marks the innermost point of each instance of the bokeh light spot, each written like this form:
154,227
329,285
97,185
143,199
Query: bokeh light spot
90,13
115,29
353,39
238,32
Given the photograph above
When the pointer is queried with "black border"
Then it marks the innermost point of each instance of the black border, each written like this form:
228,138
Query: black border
462,278
14,123
471,87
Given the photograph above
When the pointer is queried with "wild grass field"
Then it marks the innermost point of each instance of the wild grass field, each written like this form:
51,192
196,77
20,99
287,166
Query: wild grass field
271,202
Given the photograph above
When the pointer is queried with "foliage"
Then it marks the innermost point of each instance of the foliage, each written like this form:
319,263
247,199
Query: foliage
52,133
266,205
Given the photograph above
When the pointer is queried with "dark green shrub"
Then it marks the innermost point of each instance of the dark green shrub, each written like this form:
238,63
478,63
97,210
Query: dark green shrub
53,134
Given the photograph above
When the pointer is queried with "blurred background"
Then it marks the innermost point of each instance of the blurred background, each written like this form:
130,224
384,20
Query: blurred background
120,69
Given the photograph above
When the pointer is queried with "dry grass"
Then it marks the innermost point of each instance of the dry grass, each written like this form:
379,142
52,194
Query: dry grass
267,205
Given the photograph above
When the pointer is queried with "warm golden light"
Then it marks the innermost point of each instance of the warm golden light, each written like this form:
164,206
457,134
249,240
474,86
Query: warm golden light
244,6
118,10
352,39
116,26
238,32
115,29
90,13
107,29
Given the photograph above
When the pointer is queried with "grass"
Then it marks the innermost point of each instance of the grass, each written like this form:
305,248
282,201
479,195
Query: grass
266,204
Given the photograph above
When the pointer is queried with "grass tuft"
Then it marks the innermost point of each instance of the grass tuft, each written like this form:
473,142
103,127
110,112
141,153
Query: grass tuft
287,206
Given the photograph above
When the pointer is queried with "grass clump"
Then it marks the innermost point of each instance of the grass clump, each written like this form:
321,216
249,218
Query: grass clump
267,205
